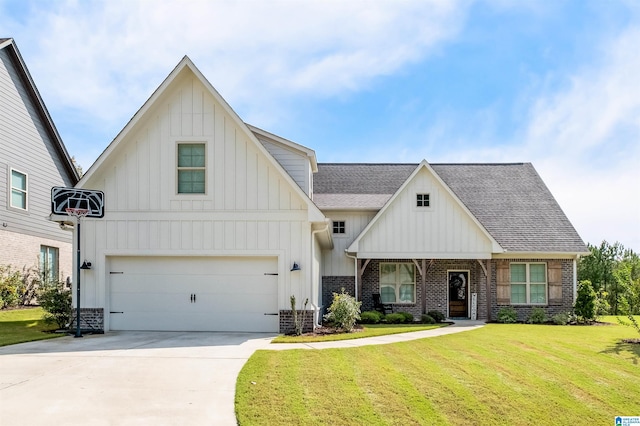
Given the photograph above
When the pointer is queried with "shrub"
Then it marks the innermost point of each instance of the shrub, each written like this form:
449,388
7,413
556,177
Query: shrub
562,318
298,320
344,311
395,318
507,315
370,317
585,306
10,287
538,316
55,299
437,315
407,316
428,319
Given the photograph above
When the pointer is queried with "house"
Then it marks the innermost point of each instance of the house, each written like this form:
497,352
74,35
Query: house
213,224
33,160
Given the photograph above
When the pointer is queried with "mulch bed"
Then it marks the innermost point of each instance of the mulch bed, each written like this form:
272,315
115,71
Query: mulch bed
632,341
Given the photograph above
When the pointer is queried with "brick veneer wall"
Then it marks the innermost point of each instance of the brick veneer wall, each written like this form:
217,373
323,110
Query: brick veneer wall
524,311
23,251
286,321
91,319
436,286
332,285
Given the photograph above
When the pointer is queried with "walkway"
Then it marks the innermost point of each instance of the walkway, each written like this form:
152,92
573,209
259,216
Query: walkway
457,327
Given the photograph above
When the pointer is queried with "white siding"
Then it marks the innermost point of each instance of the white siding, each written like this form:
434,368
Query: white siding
249,208
444,230
335,262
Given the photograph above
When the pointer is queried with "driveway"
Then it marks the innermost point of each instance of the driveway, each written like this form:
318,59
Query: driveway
125,378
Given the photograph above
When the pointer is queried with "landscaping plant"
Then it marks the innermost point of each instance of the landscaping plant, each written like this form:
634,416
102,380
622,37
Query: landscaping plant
585,306
344,311
427,319
370,317
538,316
437,315
298,320
55,299
507,315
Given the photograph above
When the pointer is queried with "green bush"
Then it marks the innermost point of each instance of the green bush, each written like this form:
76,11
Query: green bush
344,311
407,317
55,299
562,318
427,319
11,287
507,315
437,315
395,318
370,317
585,306
538,316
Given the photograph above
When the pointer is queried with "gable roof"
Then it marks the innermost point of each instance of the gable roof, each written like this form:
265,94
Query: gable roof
424,165
41,109
510,200
314,214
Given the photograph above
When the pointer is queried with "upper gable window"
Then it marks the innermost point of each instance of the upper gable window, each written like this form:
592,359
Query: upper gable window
18,190
422,200
191,168
339,227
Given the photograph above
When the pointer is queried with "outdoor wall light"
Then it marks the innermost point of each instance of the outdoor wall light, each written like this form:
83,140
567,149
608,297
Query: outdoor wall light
85,265
295,267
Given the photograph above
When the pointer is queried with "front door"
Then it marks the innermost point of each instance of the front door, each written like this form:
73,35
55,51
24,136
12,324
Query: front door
458,293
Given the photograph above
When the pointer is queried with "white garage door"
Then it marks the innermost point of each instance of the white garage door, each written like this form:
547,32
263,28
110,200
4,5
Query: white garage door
193,294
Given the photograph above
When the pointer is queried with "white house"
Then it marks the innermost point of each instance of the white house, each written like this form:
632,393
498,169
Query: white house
213,224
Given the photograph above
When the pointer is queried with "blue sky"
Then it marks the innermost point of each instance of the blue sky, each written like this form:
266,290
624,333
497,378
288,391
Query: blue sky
555,83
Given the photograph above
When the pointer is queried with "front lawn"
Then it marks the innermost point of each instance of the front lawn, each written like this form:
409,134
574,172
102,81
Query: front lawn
24,325
499,374
369,330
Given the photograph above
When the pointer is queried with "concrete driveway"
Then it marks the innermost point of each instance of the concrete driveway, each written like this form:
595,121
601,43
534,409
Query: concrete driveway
125,378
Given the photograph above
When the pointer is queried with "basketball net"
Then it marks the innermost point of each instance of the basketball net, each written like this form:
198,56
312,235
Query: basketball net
77,212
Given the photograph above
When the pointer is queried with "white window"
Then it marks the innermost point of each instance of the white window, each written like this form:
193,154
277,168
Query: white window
397,283
528,283
422,200
49,263
18,190
339,227
191,168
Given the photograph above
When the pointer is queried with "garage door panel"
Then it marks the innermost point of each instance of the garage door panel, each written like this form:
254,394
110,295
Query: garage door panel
231,294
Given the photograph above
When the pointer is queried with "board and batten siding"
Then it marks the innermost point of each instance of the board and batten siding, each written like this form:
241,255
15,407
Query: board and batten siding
442,231
25,145
335,262
296,164
249,209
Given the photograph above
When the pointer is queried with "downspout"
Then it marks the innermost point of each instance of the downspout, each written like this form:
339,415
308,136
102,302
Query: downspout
314,286
355,270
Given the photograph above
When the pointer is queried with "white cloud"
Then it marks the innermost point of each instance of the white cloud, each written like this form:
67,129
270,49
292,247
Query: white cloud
101,56
584,140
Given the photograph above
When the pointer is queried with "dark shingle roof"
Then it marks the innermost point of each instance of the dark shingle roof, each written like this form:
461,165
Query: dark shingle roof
510,200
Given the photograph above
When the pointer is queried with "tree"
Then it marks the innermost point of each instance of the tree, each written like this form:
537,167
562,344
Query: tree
585,306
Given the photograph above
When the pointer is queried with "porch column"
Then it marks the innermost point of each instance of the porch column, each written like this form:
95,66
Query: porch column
423,284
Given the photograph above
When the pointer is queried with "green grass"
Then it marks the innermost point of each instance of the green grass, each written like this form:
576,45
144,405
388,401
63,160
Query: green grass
370,330
514,374
24,325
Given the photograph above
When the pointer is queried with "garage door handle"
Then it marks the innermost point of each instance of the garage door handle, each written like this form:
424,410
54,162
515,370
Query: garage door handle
267,313
116,312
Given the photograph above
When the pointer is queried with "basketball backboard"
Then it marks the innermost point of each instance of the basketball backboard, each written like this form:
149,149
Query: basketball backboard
73,198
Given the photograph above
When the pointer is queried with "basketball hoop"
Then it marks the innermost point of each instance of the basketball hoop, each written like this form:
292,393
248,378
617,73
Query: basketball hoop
76,212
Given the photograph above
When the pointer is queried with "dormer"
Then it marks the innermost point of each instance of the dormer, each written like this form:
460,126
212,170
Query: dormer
299,161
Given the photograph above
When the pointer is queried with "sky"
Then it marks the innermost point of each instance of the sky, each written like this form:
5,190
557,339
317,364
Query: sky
555,83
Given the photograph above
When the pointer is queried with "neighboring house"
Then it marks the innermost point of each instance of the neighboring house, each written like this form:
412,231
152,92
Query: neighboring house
32,160
213,224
